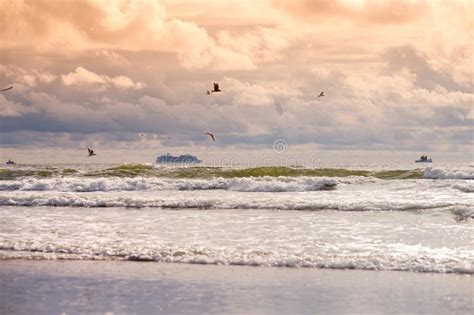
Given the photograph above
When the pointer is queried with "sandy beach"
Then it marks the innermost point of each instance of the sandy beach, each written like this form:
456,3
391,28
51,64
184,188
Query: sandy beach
113,287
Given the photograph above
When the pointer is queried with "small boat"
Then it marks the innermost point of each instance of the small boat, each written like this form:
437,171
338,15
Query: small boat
424,161
10,162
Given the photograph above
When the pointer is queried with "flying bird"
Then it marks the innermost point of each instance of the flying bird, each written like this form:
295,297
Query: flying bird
91,152
321,94
6,89
216,88
210,135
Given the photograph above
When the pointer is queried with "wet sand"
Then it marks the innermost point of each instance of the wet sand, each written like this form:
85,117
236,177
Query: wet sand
99,287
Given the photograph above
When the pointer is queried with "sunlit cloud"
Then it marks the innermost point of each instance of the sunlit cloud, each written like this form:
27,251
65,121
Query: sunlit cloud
396,74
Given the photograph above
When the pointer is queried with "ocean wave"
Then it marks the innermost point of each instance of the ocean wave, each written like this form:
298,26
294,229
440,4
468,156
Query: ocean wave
232,201
464,187
259,184
387,258
445,173
203,172
199,172
463,213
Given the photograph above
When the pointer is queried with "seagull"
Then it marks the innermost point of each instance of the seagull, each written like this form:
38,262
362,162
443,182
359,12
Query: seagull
210,135
321,94
6,89
216,88
141,134
91,152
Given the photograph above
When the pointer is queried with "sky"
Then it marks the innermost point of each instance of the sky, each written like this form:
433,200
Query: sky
397,75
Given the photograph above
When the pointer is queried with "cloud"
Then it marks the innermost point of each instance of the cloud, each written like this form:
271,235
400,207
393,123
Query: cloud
31,77
12,109
82,76
373,112
409,58
369,11
134,25
396,74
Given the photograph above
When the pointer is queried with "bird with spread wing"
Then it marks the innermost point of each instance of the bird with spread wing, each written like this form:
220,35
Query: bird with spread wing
210,134
6,89
91,152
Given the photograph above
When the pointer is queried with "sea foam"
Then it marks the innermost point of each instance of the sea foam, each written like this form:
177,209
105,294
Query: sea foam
309,201
109,184
446,173
389,257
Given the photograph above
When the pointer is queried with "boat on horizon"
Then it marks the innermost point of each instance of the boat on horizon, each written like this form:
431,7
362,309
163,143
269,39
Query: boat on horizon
181,159
424,159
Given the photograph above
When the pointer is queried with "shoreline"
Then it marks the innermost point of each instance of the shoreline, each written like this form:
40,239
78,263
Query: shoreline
61,257
75,286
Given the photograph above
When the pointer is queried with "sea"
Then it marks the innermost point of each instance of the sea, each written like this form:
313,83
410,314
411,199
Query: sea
412,217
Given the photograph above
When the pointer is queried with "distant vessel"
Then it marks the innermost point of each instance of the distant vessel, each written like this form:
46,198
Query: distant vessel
10,162
184,159
424,159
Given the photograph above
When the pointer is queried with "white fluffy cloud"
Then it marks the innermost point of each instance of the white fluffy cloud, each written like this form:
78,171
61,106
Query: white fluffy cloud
392,78
374,110
82,76
30,77
133,25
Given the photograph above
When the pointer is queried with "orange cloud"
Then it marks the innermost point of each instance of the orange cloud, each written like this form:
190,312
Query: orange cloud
132,25
243,34
367,11
82,76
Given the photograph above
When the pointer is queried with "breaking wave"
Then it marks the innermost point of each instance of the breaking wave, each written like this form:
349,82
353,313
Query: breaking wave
444,173
463,213
201,172
464,187
260,184
388,258
303,201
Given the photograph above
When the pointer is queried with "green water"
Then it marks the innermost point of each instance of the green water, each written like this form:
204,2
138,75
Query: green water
134,170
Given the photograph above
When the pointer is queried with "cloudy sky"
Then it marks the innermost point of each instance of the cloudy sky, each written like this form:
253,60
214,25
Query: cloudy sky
397,75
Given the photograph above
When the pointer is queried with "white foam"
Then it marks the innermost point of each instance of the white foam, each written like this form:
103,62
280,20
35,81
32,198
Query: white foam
389,257
449,173
343,200
467,187
108,184
463,213
425,241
